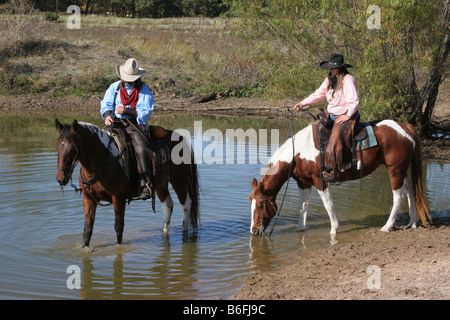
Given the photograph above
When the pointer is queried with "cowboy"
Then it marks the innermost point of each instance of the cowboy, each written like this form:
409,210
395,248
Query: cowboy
339,87
129,98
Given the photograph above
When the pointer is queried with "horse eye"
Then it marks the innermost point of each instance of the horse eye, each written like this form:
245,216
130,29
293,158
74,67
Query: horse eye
259,207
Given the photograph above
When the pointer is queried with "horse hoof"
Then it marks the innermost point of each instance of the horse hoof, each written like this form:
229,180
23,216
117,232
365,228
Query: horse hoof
334,230
385,229
87,248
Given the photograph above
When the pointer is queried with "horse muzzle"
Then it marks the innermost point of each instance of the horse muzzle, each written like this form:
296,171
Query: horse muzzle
259,231
62,181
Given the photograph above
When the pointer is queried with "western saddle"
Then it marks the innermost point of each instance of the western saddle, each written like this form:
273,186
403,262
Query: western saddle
338,147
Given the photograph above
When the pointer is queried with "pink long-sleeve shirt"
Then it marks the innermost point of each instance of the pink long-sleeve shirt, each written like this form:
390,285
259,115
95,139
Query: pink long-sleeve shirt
344,101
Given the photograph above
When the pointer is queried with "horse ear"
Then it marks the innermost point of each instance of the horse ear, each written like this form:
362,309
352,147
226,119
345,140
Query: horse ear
254,183
59,125
74,127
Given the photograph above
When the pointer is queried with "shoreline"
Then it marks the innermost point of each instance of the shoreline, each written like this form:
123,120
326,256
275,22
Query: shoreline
404,264
88,105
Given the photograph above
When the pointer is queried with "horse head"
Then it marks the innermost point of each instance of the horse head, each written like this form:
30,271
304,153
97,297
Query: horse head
263,207
67,146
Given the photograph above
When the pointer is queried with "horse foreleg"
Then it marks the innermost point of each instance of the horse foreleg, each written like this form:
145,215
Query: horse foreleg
167,205
90,208
304,201
119,213
325,195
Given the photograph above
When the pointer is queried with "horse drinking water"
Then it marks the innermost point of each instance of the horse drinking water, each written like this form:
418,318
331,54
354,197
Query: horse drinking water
104,178
398,149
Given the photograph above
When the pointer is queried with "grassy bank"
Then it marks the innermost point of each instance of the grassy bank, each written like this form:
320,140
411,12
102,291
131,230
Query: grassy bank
183,57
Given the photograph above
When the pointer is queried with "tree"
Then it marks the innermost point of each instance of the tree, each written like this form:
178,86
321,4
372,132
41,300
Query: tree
398,66
437,73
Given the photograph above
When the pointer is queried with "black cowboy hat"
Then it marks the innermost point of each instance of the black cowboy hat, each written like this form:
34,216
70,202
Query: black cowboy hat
336,61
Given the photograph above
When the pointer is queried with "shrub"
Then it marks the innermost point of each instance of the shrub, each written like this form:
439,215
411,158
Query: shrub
21,31
51,16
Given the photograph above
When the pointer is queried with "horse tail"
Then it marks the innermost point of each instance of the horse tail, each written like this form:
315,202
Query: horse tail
193,190
193,187
416,175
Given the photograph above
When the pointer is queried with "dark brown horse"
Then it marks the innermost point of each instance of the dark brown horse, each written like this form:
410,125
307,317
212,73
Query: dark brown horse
398,149
103,177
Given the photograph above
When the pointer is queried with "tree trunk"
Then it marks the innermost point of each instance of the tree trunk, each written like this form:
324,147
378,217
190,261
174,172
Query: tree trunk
415,100
88,2
435,78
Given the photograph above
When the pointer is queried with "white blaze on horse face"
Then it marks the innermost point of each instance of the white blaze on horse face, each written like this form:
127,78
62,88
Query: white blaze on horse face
392,124
253,206
303,145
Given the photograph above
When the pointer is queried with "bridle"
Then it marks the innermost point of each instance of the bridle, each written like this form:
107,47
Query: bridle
86,183
75,158
266,214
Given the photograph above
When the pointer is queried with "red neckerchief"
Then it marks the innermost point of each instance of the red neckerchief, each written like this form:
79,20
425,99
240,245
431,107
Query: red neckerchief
129,100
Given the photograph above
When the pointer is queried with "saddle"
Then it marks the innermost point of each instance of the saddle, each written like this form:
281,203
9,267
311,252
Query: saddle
345,139
143,149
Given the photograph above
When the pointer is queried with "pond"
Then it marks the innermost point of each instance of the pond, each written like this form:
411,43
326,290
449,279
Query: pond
42,225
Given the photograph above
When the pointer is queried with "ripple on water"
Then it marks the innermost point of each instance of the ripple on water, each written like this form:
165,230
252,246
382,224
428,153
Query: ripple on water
43,229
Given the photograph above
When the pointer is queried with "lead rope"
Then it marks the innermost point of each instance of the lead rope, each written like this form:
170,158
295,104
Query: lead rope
290,132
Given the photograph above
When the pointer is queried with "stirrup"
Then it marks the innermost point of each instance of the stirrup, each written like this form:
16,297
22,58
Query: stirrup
146,193
328,176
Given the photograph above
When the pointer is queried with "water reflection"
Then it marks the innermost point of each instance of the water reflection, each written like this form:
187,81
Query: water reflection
43,227
168,274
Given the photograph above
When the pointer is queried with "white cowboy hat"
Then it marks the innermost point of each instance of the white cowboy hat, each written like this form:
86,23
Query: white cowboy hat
130,71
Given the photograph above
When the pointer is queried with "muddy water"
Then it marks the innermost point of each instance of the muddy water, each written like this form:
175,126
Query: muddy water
42,226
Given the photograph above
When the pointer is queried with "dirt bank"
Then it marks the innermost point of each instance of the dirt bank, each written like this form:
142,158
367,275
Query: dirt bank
411,264
48,103
90,104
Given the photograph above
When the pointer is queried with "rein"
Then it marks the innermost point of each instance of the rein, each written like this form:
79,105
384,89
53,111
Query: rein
87,183
277,214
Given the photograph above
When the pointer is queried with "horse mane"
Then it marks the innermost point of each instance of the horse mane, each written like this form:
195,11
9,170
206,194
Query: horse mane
284,153
103,135
65,132
302,144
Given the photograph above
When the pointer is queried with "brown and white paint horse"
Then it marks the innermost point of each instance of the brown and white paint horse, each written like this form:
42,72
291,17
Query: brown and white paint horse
398,149
103,167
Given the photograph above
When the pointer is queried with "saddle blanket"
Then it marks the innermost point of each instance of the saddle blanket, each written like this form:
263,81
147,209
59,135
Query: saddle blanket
370,140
